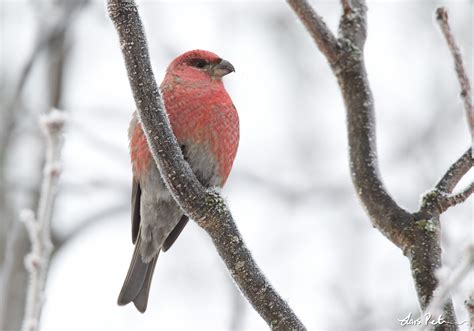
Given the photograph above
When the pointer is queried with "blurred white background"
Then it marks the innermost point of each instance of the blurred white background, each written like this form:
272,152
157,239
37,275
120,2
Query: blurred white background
290,190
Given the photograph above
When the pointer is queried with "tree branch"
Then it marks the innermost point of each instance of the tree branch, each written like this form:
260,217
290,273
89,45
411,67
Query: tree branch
455,172
442,18
39,228
453,200
470,309
417,234
353,24
437,201
205,206
447,286
385,214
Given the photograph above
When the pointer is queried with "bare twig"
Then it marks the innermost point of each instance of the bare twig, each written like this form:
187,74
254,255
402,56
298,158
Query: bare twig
455,172
453,200
205,206
437,201
37,262
442,18
54,22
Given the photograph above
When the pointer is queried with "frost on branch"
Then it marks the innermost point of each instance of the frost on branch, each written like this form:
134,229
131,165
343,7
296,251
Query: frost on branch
39,225
417,234
205,206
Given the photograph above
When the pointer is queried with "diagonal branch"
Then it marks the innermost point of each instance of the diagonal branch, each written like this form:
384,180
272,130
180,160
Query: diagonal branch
442,18
417,234
438,200
205,206
386,215
455,172
453,200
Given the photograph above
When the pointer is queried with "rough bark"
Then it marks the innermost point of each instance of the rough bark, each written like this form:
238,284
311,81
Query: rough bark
203,205
416,234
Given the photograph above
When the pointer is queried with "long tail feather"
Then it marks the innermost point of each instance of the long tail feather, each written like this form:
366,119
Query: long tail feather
137,283
141,300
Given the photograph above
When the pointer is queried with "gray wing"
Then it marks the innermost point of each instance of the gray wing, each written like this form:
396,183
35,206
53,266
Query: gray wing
175,233
136,193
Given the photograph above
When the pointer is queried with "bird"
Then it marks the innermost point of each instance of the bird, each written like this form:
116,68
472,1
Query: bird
206,125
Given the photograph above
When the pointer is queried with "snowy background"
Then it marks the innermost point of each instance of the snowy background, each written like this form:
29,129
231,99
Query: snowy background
290,190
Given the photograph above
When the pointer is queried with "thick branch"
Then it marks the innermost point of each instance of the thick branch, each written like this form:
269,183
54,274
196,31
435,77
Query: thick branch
384,212
447,286
353,25
425,260
442,18
205,206
386,215
416,234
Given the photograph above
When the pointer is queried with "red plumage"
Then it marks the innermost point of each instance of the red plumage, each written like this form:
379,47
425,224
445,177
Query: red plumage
206,125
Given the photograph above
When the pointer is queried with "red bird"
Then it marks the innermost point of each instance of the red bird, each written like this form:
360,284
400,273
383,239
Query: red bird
206,125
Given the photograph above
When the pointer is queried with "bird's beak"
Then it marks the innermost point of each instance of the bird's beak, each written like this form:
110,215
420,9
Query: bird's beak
222,68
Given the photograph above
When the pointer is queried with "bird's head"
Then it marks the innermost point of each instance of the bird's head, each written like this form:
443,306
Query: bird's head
199,65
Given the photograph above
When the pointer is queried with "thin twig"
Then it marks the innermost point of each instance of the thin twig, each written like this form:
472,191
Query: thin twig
455,172
205,206
438,200
442,18
39,227
453,200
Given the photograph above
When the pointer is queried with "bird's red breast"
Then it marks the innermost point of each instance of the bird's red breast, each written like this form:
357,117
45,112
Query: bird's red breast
200,112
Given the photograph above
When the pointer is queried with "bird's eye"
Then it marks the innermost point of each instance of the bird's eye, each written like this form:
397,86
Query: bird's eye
198,63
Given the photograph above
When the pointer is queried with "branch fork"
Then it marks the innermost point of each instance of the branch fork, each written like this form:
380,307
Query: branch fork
416,234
